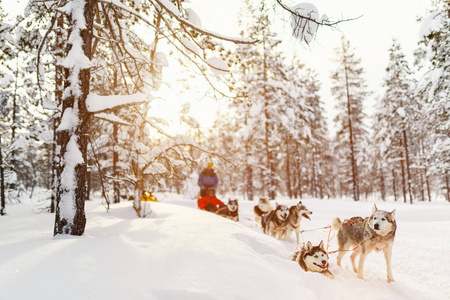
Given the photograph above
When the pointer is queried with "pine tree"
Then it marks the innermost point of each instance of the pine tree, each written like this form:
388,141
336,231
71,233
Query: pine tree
397,115
21,119
350,91
319,147
433,90
266,105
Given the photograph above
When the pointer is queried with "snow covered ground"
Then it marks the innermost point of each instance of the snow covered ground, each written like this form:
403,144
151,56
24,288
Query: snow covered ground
185,253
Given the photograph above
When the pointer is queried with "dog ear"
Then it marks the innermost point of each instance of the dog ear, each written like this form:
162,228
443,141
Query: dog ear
374,208
321,245
308,246
393,214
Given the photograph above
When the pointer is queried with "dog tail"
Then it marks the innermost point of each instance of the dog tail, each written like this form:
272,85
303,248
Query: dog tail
336,224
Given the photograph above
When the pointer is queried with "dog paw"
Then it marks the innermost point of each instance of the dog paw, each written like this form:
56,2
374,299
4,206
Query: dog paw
390,280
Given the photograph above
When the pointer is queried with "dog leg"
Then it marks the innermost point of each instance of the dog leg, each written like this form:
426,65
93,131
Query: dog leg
328,274
297,235
340,256
257,221
388,256
278,234
272,232
353,257
362,259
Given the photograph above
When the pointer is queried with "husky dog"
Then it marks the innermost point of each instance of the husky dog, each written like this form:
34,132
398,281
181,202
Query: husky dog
274,222
376,232
313,259
263,207
230,211
296,212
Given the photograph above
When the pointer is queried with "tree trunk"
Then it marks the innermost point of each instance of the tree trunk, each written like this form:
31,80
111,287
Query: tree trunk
394,185
319,174
115,175
313,175
248,169
300,183
422,184
139,175
447,186
249,185
269,177
72,175
55,160
403,177
408,169
2,183
59,87
352,145
288,170
88,193
115,161
382,185
295,172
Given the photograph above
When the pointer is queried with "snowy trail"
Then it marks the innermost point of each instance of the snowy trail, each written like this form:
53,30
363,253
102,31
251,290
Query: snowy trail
185,253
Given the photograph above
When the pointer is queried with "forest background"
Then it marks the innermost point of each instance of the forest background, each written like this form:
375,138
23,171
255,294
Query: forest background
82,80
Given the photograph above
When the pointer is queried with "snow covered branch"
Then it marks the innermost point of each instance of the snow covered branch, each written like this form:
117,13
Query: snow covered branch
323,21
96,103
306,20
172,10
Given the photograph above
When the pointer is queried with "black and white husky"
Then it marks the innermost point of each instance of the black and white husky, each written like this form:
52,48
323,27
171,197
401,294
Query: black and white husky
230,211
376,232
261,208
274,222
313,259
296,213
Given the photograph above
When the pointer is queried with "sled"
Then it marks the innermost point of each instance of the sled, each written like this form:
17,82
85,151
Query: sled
149,196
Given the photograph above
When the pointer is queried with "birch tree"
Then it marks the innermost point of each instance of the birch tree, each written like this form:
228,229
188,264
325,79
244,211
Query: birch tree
113,26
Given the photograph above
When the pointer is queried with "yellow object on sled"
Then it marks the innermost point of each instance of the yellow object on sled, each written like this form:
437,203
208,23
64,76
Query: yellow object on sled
148,196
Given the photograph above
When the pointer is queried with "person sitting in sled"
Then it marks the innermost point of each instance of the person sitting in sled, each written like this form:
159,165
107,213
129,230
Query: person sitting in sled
209,202
207,179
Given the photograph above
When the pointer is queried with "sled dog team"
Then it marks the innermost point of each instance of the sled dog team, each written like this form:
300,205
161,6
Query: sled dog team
357,235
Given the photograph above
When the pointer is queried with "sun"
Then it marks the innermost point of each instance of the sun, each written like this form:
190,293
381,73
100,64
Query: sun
168,104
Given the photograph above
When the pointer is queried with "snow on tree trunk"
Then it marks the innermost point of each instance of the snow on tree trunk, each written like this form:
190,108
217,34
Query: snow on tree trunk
2,183
72,132
142,209
115,162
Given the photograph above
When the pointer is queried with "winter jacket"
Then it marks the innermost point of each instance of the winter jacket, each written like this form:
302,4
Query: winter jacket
205,200
207,179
